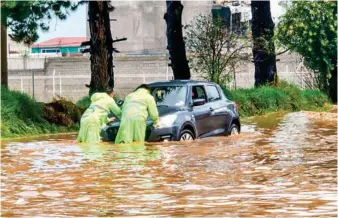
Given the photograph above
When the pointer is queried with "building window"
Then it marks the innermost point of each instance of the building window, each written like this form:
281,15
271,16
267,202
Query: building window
50,50
81,50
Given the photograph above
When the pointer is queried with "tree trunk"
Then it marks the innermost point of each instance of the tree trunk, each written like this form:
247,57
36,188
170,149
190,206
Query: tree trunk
263,46
333,82
176,47
4,64
101,48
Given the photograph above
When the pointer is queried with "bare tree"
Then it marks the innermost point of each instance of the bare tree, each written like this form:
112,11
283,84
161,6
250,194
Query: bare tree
214,51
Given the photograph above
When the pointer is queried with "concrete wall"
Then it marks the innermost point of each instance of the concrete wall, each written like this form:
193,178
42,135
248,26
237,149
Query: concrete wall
21,63
130,72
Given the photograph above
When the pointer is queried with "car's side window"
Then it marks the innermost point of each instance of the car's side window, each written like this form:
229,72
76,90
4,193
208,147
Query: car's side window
198,92
213,94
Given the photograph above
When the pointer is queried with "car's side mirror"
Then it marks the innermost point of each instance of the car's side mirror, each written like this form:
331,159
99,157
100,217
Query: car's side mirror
198,102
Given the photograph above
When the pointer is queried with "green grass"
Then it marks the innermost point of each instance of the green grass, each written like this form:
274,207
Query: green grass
84,102
282,97
23,116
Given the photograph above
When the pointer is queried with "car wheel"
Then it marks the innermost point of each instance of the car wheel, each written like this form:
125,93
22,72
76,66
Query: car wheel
187,135
234,130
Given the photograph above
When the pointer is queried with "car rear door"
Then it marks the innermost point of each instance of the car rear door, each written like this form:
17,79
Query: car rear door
220,117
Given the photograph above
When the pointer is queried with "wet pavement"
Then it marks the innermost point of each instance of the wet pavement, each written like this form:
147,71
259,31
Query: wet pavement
280,166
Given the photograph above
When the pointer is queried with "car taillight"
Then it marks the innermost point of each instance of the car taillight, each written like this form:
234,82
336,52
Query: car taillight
236,106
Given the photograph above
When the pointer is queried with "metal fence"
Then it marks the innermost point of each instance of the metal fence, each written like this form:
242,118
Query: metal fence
46,87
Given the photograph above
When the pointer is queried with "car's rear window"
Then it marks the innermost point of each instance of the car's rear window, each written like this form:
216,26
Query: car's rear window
213,94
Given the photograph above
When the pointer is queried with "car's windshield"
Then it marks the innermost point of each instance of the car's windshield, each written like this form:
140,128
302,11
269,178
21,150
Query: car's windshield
169,95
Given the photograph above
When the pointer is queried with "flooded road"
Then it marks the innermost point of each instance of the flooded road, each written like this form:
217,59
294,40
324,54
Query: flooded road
280,166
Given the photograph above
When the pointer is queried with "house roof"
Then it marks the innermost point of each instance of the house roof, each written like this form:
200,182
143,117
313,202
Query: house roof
61,42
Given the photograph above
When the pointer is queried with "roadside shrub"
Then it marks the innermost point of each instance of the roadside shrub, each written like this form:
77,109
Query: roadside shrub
240,96
17,104
84,102
294,92
21,116
314,98
283,96
62,112
268,99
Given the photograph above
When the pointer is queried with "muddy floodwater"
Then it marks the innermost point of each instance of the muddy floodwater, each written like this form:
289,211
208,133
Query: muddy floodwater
282,165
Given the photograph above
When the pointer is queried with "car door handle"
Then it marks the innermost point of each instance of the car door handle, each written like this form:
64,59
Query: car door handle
211,109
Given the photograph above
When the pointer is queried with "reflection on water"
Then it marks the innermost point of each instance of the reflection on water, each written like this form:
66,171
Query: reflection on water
279,166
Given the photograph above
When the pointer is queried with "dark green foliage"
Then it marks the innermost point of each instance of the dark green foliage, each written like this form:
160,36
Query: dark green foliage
84,102
14,103
24,18
314,98
309,28
284,96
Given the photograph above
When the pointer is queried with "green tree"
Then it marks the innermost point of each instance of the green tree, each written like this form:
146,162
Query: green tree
24,19
214,51
309,28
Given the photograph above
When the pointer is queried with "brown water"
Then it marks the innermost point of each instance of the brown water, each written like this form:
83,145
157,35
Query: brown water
280,166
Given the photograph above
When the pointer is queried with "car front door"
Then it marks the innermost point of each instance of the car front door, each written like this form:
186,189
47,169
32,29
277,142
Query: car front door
201,112
219,114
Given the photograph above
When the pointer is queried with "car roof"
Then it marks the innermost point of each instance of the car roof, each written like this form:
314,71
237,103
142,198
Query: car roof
179,83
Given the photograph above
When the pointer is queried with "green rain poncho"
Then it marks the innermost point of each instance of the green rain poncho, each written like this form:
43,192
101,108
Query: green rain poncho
95,116
136,109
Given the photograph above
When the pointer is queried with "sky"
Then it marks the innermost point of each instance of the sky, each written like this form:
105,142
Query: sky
75,24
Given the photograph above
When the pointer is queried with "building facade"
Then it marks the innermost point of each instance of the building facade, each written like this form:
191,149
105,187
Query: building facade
142,23
60,45
16,48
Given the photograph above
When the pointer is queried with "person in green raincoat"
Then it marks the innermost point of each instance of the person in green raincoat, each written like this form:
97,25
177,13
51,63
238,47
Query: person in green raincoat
97,115
135,111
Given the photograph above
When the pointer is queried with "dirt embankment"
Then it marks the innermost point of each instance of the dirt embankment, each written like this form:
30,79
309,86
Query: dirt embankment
330,116
62,112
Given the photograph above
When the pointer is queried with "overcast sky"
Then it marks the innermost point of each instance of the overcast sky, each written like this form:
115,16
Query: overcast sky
75,24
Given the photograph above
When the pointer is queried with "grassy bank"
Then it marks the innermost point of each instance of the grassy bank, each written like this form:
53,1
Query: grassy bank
282,97
23,116
266,99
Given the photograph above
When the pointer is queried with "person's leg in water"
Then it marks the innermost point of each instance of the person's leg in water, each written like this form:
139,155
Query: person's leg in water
125,133
89,130
139,130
